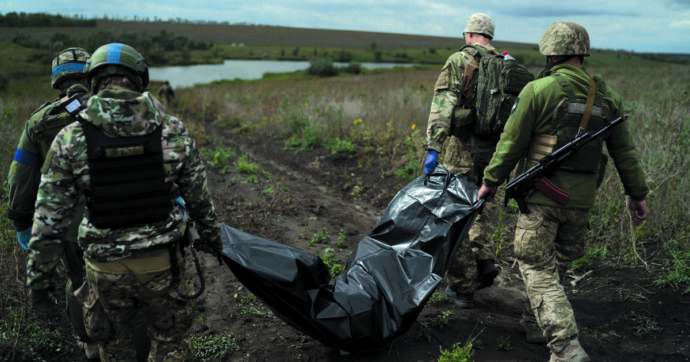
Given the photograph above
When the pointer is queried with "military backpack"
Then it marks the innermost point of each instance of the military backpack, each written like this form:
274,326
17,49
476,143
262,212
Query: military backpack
496,82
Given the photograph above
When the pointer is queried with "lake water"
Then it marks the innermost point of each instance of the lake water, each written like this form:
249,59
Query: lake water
189,75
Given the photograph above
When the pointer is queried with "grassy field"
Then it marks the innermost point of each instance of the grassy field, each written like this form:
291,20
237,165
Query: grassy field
389,118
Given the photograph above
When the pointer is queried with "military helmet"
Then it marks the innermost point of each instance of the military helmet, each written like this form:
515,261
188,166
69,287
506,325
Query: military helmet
69,63
565,38
480,23
117,59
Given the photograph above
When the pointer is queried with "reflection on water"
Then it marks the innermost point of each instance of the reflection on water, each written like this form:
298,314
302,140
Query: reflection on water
185,76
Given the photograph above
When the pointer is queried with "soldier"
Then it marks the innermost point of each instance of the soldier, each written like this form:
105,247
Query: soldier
25,175
166,93
551,110
466,155
130,160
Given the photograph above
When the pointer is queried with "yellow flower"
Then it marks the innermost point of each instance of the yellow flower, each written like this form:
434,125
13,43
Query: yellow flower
358,120
413,126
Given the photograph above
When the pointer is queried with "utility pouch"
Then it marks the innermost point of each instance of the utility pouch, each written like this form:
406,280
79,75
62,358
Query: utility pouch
461,122
96,322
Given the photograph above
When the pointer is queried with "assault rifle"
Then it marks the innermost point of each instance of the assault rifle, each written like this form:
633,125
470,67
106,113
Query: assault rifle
537,176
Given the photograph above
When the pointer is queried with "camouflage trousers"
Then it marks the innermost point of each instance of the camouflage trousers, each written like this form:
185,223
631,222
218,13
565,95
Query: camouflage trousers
72,260
114,301
462,275
547,240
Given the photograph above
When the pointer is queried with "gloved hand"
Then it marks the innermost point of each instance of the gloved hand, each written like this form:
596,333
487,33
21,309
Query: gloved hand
24,236
40,301
179,203
430,163
214,248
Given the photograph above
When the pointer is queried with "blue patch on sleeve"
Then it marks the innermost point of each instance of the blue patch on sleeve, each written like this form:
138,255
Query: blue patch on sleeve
27,158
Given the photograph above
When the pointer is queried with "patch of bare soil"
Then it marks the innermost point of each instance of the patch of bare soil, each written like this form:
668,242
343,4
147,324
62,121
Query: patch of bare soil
621,313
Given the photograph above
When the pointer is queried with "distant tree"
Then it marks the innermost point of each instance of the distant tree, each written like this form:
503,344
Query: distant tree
378,56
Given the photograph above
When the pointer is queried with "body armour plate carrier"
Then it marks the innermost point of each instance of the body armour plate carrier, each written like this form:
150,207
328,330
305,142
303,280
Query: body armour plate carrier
566,125
128,185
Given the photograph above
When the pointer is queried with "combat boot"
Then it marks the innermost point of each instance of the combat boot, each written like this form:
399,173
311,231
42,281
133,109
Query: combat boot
533,333
487,273
462,300
90,350
573,352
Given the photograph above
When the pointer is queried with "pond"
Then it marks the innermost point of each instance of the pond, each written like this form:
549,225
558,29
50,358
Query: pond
186,76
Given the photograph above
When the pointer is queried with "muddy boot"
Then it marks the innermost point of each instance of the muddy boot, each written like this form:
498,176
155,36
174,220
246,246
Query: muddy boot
90,350
533,333
462,300
573,352
487,273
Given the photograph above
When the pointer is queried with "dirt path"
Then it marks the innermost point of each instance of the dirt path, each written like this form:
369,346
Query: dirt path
622,315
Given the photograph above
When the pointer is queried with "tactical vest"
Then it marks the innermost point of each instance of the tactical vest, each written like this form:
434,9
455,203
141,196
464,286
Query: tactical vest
567,120
128,185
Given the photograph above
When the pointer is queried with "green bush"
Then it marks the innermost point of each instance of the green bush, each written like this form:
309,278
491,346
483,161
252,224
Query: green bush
322,68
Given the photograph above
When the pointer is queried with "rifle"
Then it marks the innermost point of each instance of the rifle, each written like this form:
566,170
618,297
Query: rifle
537,176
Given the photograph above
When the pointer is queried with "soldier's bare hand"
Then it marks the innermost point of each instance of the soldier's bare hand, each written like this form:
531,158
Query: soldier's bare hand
638,211
486,193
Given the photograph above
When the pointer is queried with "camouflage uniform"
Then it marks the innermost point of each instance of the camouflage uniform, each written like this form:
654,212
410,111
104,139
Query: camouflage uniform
166,93
129,267
25,171
462,274
552,235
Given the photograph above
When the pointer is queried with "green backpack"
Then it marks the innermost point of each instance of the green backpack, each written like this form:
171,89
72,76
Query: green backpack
499,80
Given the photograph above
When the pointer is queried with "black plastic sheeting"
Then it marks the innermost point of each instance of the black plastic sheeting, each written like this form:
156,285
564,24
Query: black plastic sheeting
392,274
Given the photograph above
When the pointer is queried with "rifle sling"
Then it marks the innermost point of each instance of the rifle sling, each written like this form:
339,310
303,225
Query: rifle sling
590,103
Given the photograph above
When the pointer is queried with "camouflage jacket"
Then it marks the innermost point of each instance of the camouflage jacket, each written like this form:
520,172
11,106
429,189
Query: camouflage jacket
66,176
34,143
448,86
533,114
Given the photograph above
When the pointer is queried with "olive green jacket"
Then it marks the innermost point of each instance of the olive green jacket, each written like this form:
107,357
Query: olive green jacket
533,115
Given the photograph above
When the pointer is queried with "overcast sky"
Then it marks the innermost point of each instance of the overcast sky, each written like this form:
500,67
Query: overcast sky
658,26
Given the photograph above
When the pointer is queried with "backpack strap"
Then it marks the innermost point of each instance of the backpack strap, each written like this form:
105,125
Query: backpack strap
471,74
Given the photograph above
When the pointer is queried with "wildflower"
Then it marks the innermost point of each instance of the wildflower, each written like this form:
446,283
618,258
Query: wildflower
358,120
413,126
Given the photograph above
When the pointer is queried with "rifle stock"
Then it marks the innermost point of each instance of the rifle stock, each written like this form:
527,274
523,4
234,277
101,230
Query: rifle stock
537,176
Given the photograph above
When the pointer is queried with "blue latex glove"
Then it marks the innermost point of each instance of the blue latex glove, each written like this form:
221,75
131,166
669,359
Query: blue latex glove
179,203
430,163
24,236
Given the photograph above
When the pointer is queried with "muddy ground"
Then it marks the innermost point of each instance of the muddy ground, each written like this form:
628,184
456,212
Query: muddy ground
621,313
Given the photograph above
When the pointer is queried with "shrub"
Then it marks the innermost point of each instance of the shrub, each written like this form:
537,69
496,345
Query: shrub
322,68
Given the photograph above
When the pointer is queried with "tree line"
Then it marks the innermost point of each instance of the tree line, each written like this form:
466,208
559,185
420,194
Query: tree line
41,20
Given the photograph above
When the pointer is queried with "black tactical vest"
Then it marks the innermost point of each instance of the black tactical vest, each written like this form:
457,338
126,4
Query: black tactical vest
128,185
566,125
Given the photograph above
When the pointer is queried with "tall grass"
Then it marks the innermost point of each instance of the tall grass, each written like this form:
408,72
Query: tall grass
658,101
